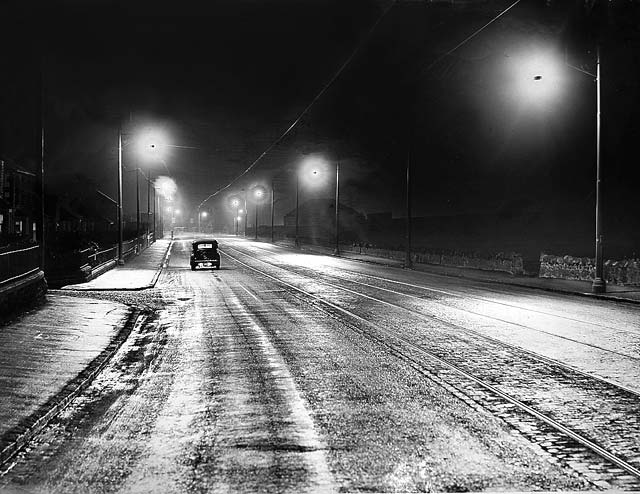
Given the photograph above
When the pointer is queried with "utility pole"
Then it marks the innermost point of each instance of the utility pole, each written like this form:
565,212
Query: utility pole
43,228
599,283
148,205
408,263
297,242
273,193
120,258
137,210
337,249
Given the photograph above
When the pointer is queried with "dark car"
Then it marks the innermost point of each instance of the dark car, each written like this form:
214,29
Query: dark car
205,253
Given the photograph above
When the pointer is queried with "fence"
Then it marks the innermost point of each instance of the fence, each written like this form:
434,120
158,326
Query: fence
93,257
19,262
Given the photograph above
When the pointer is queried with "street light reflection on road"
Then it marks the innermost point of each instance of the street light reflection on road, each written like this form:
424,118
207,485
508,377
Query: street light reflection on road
313,261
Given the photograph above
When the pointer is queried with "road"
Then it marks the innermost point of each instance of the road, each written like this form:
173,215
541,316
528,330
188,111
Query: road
287,371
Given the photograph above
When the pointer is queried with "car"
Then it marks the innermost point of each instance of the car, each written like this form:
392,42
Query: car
204,253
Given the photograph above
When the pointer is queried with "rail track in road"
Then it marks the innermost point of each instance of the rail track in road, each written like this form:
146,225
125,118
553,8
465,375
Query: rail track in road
589,424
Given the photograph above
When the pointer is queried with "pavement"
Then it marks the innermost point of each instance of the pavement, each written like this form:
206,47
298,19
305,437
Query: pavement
138,273
51,353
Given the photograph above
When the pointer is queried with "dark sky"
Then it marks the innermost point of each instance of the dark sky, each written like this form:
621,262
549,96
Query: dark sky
225,79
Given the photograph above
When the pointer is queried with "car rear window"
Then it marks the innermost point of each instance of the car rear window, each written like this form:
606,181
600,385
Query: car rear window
205,246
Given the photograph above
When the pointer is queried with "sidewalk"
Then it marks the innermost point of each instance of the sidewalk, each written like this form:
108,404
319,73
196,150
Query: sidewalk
138,273
50,354
575,287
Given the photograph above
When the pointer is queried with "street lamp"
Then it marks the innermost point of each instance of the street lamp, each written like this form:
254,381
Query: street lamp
599,284
120,258
201,214
337,249
315,167
235,204
258,194
273,202
553,73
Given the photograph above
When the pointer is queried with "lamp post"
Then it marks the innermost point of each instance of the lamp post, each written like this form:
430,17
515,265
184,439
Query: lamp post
120,258
155,200
297,241
137,210
201,214
258,194
246,214
235,203
337,249
550,63
148,222
599,284
408,263
273,193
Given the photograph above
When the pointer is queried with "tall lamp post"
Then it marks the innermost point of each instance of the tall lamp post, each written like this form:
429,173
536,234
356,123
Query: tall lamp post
246,213
599,284
273,195
201,214
235,204
337,249
408,262
297,241
120,258
546,64
258,194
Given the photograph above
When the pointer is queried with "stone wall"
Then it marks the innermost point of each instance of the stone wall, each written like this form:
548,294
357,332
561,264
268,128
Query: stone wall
509,263
624,272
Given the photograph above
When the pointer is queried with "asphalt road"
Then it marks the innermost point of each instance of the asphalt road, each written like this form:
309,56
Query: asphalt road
293,372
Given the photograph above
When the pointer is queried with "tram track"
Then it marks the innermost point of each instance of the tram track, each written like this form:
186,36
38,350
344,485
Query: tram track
316,276
469,296
609,457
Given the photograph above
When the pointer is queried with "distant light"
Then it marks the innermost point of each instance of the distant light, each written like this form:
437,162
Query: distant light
177,211
203,214
239,218
240,211
258,192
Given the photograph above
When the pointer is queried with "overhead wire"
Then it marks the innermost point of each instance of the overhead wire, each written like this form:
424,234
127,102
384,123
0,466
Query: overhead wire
306,110
337,74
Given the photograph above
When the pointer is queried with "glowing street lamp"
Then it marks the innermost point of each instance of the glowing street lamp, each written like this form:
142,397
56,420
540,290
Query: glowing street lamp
315,167
201,214
309,171
548,82
258,194
235,204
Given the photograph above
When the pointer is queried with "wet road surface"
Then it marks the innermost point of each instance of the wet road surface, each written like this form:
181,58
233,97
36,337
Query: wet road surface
302,373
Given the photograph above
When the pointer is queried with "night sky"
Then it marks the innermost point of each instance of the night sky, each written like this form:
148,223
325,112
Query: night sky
225,79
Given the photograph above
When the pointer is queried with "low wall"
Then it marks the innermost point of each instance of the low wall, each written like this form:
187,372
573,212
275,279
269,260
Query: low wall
624,272
509,263
21,294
